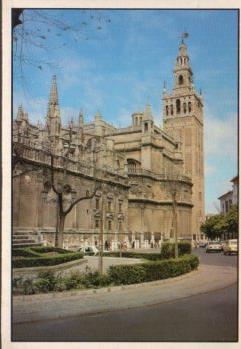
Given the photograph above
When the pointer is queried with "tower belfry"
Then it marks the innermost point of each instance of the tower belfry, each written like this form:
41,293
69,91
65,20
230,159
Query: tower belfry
183,119
183,71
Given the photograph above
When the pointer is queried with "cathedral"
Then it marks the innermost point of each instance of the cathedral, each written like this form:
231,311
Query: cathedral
152,178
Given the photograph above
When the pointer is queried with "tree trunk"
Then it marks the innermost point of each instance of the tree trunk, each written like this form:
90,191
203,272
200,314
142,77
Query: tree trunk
60,234
56,243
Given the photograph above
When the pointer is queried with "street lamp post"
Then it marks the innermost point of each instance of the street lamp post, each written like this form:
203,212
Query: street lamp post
101,234
174,208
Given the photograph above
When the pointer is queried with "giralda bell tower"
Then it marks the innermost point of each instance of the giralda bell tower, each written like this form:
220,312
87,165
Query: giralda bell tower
183,119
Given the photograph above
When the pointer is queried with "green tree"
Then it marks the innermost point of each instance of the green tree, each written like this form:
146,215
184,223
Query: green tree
232,220
214,226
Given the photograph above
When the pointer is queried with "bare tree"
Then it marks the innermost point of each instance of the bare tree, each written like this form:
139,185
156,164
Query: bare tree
46,31
61,189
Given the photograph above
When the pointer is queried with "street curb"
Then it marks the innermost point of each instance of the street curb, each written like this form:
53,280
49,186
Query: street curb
84,292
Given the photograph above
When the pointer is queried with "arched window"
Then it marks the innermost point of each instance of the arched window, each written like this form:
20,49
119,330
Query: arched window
189,107
178,106
146,127
180,80
166,109
171,109
184,107
133,165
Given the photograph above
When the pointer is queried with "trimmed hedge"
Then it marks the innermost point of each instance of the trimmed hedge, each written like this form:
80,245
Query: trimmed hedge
46,260
24,252
168,249
132,274
36,251
116,275
149,256
46,249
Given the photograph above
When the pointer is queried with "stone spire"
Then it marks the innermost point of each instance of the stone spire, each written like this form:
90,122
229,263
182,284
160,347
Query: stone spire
20,113
53,98
148,112
81,118
98,115
164,90
53,114
53,105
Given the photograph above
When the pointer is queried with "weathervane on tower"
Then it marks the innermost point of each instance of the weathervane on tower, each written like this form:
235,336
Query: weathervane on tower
183,36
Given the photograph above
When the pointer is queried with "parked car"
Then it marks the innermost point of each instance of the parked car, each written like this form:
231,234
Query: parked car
202,244
213,246
89,250
231,246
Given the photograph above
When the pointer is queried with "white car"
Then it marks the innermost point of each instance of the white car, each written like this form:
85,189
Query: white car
231,246
89,250
213,246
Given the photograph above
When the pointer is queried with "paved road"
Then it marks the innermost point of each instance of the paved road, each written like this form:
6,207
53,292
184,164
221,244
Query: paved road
215,258
205,317
209,317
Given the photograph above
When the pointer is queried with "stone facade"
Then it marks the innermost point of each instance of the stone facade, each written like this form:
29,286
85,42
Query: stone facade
141,166
230,198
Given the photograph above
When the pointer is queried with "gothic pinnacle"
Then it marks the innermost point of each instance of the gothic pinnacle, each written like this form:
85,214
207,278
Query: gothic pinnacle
53,98
148,112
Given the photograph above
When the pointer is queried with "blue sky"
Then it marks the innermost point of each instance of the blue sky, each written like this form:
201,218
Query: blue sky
115,61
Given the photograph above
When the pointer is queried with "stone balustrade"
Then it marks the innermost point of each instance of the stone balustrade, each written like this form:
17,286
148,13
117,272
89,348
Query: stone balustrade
158,176
30,152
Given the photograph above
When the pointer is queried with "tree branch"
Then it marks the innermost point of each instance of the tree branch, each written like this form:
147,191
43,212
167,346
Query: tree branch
86,197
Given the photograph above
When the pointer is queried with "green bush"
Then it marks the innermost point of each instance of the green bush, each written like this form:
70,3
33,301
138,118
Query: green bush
60,285
41,286
71,281
46,260
129,274
45,249
36,251
116,275
24,252
149,256
94,280
28,287
49,277
168,249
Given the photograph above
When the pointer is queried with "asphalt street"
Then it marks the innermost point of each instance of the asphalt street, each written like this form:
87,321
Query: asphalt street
215,258
209,317
204,318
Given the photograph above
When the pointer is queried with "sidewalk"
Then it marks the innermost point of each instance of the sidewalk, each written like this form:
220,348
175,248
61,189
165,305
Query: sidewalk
80,302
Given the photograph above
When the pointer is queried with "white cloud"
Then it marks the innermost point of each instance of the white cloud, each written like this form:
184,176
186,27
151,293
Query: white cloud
35,107
220,135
